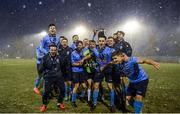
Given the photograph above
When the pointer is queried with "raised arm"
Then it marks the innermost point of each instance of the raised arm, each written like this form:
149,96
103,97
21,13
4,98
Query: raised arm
155,64
95,35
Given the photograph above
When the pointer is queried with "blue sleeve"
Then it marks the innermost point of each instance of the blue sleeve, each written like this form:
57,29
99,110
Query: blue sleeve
134,59
58,43
95,52
73,46
42,46
72,58
94,37
39,54
100,62
109,57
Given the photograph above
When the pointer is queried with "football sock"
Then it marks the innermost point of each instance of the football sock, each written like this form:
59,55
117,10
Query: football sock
138,106
74,97
89,94
95,96
66,90
37,81
111,94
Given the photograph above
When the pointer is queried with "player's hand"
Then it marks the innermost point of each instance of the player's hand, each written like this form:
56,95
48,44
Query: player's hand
156,65
81,61
112,62
94,31
121,80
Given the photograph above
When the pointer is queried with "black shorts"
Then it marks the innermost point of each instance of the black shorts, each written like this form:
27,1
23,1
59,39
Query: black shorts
90,75
117,77
138,88
79,77
100,76
67,77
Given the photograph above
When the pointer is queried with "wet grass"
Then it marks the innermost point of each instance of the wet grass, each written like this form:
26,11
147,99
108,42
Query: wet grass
17,81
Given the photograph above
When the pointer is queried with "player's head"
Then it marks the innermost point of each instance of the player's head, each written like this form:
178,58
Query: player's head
110,41
120,35
61,37
118,57
115,37
64,42
102,41
53,49
52,29
75,38
86,42
92,44
79,45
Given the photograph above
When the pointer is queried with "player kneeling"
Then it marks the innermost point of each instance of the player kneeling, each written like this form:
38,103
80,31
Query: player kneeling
137,77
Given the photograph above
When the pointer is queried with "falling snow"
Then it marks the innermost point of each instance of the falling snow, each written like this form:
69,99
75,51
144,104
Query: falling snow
89,4
24,6
159,19
63,1
157,49
175,42
19,25
40,3
12,13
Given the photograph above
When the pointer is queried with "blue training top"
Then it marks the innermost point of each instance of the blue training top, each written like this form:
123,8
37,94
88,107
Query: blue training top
73,46
105,56
75,57
133,70
47,40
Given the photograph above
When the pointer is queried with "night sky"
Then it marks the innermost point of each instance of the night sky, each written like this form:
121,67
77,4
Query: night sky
23,17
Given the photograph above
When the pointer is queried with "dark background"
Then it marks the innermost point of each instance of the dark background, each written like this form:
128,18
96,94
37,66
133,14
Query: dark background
22,20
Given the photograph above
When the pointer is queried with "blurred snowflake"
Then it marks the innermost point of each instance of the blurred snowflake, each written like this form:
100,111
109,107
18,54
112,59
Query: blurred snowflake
24,6
89,4
40,3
